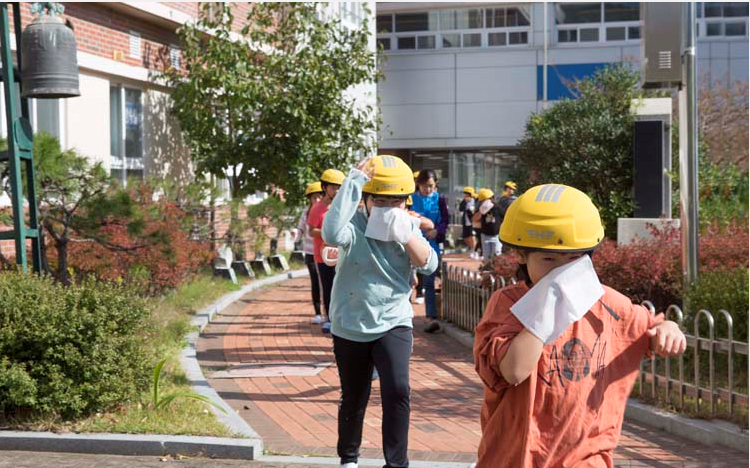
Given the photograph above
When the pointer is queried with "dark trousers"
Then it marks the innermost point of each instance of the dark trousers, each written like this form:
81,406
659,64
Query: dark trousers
314,283
326,274
355,360
420,285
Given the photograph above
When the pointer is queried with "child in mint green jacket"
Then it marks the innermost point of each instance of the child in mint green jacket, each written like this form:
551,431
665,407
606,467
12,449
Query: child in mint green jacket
371,313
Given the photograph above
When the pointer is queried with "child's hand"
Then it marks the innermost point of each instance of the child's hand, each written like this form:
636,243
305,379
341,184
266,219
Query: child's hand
366,166
667,339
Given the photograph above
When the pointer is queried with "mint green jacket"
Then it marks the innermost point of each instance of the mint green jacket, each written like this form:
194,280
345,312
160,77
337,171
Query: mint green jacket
371,288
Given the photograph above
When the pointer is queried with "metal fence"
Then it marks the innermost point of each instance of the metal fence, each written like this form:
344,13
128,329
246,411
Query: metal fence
466,293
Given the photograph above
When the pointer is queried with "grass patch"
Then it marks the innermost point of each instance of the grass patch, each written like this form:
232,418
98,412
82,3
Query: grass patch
170,318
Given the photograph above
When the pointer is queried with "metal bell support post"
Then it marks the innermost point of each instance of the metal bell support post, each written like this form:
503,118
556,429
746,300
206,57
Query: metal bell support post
41,40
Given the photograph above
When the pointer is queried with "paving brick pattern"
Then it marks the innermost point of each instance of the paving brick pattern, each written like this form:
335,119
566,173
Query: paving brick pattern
296,415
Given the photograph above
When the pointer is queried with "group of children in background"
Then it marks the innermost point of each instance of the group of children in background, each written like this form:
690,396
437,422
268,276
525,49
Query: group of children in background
482,215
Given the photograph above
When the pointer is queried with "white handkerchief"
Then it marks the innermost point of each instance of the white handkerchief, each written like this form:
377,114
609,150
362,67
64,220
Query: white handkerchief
559,299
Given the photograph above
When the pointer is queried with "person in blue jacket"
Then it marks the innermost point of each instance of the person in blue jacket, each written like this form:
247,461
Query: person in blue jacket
430,204
371,315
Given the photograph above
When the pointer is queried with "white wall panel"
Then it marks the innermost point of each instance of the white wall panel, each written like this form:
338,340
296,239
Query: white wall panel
86,119
506,120
738,49
418,87
419,61
496,84
496,58
738,70
419,121
565,55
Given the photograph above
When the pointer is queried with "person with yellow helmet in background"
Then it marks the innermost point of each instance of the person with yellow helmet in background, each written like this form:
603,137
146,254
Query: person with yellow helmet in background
558,353
370,310
313,193
489,217
324,256
466,207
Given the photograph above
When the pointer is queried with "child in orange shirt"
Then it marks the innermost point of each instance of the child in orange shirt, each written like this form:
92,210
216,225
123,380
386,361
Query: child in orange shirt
558,352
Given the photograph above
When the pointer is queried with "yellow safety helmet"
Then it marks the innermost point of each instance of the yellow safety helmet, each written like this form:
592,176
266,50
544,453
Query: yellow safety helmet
470,191
553,218
314,187
484,194
511,184
332,176
416,174
391,176
409,201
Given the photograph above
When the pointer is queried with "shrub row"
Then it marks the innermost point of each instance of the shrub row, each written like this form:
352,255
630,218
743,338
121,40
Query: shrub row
68,351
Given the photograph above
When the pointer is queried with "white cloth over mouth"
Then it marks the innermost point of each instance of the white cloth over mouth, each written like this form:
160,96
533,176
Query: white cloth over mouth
559,299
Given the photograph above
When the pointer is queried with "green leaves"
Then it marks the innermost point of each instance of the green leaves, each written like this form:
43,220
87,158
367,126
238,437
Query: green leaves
272,105
586,142
161,401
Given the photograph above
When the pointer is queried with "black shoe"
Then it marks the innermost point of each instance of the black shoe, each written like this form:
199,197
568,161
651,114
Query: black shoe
432,327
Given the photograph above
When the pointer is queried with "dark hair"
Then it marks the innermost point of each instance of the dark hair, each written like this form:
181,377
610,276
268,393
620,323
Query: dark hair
425,175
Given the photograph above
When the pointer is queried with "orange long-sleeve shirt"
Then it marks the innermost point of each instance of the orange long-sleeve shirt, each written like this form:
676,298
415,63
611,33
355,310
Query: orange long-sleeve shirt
569,413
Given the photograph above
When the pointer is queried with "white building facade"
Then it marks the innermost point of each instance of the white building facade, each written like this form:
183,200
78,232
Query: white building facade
461,79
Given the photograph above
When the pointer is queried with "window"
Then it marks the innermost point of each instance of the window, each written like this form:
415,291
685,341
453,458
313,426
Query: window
497,39
594,22
407,22
126,131
455,28
615,12
174,57
384,23
48,116
723,19
577,13
134,45
460,19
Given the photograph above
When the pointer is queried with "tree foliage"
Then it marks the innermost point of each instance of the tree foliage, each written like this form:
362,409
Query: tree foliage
586,142
272,106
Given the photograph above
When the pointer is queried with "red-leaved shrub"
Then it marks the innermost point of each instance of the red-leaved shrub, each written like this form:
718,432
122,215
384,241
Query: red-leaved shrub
651,269
159,257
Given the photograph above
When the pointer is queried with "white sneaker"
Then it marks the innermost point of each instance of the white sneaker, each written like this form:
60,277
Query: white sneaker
419,300
317,320
349,465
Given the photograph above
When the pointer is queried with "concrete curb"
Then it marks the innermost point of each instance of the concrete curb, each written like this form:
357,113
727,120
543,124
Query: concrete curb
130,444
194,374
697,430
248,447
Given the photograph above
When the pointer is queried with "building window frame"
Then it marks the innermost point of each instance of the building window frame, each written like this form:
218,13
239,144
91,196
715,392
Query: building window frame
631,30
123,166
439,35
707,25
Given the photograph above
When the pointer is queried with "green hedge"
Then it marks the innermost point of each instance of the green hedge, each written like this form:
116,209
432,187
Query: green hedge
721,289
69,351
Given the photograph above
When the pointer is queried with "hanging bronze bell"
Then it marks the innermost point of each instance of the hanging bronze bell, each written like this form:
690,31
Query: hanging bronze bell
49,67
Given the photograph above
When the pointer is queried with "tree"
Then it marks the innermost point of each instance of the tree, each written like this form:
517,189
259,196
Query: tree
271,106
586,142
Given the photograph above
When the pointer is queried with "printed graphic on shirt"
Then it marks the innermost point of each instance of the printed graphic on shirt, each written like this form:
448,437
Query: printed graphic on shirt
574,362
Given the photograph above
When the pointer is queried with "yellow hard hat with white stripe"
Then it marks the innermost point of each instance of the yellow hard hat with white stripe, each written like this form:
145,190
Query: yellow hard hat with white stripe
391,176
552,217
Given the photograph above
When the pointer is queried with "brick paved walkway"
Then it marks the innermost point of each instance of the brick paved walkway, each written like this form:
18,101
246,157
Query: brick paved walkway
297,414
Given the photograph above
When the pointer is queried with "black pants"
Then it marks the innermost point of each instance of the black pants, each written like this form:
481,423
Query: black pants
314,283
420,285
355,360
326,274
